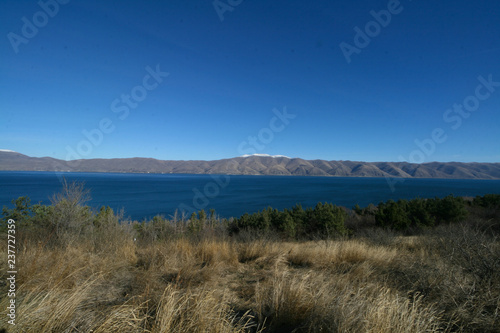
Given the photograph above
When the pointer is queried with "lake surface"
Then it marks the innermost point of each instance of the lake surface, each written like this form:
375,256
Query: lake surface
146,195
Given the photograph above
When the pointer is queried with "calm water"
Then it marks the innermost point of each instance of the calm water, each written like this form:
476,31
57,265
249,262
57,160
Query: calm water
145,195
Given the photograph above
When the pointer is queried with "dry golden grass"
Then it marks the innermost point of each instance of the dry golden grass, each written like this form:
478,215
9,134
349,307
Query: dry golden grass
409,284
333,253
196,311
315,302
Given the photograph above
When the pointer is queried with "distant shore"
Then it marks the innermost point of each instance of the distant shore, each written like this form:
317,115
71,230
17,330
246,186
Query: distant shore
256,165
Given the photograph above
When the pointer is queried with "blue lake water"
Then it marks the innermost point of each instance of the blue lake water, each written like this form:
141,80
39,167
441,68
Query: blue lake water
145,195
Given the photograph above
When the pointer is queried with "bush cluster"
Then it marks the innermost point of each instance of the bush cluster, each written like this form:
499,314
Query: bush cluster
326,219
417,213
66,219
487,201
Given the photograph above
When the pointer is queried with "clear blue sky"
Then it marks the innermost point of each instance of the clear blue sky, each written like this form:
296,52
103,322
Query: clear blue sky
229,68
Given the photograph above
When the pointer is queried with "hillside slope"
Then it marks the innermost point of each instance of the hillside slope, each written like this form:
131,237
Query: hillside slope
255,165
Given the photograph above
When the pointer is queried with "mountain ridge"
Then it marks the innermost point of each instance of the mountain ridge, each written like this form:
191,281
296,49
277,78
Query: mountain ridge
254,165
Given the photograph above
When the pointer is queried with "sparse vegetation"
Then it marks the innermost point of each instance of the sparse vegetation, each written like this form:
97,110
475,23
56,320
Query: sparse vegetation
408,266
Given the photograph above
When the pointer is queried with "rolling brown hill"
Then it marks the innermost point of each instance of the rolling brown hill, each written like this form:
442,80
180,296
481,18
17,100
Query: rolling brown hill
255,165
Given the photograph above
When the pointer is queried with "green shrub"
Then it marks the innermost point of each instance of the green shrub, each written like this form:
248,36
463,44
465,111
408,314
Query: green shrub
325,219
393,215
329,219
487,201
450,209
420,214
21,213
106,218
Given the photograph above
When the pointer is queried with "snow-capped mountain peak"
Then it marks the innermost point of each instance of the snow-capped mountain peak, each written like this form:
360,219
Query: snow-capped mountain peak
264,155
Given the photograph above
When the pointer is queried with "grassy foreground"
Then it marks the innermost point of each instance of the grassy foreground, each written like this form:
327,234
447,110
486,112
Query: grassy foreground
97,278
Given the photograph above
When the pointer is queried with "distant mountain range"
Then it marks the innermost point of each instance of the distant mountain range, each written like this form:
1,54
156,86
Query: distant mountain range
255,165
